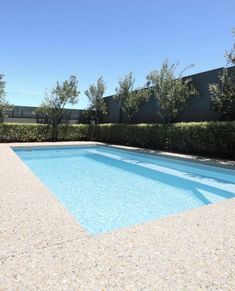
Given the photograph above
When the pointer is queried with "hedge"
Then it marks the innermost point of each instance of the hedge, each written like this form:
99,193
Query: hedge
201,138
139,135
24,132
28,132
74,132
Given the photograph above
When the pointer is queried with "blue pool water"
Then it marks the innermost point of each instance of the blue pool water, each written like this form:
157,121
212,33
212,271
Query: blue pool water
107,188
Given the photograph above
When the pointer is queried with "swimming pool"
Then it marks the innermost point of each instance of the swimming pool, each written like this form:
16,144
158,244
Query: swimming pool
107,188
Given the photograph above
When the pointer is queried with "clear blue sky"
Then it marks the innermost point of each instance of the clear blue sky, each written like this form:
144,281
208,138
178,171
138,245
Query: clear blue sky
48,40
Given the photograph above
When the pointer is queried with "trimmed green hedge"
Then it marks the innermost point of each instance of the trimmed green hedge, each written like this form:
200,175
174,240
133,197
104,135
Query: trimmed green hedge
139,135
74,132
199,138
202,138
23,132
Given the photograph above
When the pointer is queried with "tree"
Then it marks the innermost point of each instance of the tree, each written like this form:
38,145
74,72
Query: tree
230,56
52,107
223,93
129,99
4,105
95,95
171,92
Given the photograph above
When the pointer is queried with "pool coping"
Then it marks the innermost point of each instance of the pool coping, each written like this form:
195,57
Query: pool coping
191,250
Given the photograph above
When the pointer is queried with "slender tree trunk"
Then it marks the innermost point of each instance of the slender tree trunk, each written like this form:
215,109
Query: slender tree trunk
55,124
54,132
131,119
98,117
120,114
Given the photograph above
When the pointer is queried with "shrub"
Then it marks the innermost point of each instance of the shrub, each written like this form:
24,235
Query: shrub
24,132
200,138
111,133
140,135
203,138
74,132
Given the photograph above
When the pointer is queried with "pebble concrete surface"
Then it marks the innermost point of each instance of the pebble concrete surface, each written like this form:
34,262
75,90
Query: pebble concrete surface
42,247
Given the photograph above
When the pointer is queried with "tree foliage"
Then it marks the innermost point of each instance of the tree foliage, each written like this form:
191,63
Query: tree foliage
52,108
171,92
95,95
4,105
230,56
129,98
223,93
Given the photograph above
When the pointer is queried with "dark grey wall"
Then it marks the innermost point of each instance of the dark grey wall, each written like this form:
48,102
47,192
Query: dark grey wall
198,108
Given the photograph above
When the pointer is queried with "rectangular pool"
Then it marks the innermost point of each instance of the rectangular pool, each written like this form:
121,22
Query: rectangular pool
107,188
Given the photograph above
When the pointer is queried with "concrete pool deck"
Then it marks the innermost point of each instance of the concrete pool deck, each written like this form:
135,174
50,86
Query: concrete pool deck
42,247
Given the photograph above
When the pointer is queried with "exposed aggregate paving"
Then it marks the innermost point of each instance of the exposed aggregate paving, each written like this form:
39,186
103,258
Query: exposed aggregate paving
42,247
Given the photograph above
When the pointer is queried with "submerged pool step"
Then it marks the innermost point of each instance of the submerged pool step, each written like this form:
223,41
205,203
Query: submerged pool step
225,186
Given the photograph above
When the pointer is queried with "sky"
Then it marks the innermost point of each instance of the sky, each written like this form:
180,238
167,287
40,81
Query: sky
42,42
